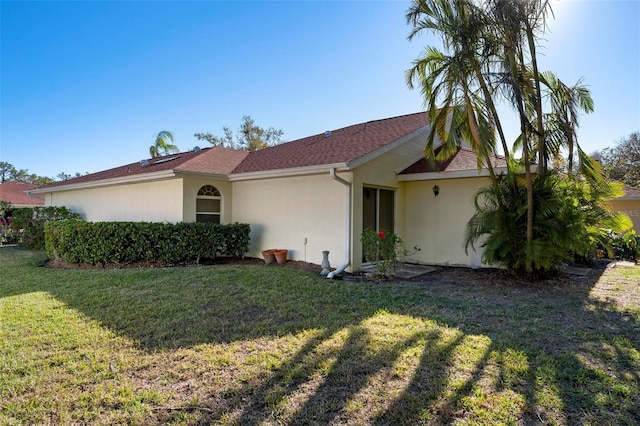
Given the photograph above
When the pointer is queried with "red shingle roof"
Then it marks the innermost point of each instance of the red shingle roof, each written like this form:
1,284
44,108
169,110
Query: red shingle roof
13,192
340,146
463,159
216,160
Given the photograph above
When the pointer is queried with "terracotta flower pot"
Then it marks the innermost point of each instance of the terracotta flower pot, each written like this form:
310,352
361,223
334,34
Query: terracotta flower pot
269,256
281,256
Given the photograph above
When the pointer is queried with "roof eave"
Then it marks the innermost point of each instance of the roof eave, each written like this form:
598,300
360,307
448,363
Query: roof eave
216,176
294,171
454,174
21,205
141,177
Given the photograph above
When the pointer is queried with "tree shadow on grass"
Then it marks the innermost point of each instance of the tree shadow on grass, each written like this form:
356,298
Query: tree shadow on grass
549,352
573,357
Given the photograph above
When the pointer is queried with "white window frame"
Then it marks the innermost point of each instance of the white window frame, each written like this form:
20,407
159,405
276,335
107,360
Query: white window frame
209,197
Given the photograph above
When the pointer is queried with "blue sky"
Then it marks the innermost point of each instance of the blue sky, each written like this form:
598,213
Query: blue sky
87,85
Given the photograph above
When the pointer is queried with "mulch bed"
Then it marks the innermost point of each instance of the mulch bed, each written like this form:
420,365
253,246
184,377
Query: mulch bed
443,275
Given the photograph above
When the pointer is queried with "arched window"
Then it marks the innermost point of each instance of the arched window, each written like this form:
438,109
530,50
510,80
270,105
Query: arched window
208,205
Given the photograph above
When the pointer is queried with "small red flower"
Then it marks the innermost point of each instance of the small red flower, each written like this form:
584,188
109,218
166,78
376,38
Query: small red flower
381,234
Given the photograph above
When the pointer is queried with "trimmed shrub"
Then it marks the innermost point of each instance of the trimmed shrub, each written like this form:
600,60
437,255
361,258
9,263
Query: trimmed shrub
28,223
102,243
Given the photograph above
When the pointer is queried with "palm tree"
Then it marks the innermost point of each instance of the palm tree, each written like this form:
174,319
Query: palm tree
518,24
566,104
163,145
457,96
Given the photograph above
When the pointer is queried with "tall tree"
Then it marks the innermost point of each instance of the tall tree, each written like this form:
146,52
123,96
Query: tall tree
163,145
520,23
566,104
622,162
457,95
249,137
7,171
489,55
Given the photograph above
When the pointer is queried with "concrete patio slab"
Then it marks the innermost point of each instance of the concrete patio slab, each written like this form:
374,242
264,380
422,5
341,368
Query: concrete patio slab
405,270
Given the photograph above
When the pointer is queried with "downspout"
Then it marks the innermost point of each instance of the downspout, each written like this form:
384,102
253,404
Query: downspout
347,261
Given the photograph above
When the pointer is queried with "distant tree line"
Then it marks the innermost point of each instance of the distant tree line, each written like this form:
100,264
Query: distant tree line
8,173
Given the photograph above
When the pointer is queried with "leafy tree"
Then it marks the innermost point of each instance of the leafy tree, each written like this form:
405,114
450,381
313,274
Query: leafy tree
622,162
6,171
40,180
249,137
66,176
163,145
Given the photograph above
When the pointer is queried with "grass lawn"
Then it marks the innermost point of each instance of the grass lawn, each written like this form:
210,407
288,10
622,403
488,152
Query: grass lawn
255,344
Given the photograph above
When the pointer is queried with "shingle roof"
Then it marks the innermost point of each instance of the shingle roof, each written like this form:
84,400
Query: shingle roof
463,159
13,192
339,146
216,160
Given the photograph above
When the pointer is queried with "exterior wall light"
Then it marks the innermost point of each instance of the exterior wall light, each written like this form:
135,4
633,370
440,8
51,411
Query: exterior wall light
436,190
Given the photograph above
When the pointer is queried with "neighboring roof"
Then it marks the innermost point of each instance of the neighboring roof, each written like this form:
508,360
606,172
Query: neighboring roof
333,147
631,193
464,159
216,160
13,192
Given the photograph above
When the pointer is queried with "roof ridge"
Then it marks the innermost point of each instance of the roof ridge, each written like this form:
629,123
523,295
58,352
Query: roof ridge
322,135
396,117
378,120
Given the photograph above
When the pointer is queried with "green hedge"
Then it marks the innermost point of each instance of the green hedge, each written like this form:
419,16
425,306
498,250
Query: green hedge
103,243
27,226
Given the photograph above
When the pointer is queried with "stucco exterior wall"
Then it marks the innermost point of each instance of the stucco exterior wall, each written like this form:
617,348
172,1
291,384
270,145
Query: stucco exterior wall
286,212
437,224
190,190
157,201
381,173
631,208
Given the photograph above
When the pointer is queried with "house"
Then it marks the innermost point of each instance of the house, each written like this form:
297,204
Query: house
14,192
629,204
309,195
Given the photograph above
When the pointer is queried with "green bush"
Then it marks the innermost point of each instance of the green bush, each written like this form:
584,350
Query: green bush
28,223
620,245
103,243
568,216
385,249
